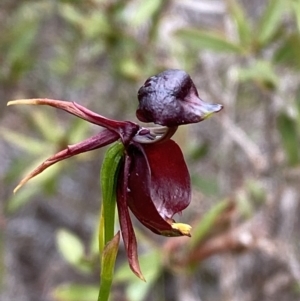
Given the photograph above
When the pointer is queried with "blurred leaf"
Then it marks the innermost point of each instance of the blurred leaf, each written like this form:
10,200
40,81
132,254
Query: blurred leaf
95,25
261,72
78,130
207,222
270,21
256,191
16,168
242,24
70,246
208,41
287,127
130,68
288,52
296,11
297,100
44,177
45,182
62,63
91,24
144,11
108,259
28,144
199,151
244,204
47,125
206,185
71,14
21,198
151,265
94,244
75,292
23,38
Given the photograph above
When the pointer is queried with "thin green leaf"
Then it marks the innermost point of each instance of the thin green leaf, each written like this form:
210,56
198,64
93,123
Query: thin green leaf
28,144
287,127
75,292
108,260
270,21
208,41
207,223
108,178
242,24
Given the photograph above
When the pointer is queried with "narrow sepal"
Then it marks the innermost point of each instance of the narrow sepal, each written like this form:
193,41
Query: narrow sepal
125,129
125,220
99,140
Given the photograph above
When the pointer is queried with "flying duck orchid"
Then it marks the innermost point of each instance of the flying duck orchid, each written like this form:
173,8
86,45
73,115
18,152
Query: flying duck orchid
152,180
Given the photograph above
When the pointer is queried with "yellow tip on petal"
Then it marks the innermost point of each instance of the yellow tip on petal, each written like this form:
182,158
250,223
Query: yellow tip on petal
184,229
21,184
17,188
33,101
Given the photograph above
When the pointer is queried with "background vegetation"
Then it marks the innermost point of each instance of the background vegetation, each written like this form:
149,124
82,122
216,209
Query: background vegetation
244,162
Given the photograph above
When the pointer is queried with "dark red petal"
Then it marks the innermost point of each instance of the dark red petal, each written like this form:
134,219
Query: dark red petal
125,221
159,184
101,139
170,178
125,129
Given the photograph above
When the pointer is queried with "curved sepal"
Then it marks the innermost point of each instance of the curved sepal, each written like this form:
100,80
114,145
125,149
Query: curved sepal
125,220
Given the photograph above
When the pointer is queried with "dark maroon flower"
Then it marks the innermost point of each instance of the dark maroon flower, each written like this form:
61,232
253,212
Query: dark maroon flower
153,181
170,98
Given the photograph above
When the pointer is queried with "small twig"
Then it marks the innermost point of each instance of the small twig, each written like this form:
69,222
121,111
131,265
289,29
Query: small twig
245,143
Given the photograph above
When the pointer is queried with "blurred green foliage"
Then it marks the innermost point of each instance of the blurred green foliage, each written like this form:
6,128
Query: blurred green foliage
99,52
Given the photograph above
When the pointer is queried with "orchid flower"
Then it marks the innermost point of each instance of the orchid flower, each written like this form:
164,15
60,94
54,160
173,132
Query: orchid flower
153,180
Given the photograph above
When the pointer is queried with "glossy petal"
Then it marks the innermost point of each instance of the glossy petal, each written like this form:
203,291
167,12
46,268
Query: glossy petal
170,98
158,186
103,138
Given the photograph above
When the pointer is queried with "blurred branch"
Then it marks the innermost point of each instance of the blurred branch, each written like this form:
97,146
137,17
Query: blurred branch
236,134
230,128
234,240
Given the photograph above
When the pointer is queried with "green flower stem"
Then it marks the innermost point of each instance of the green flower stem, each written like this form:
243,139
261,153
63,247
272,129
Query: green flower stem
108,178
108,243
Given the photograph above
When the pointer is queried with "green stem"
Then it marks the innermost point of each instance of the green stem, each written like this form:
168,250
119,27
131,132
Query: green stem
108,243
